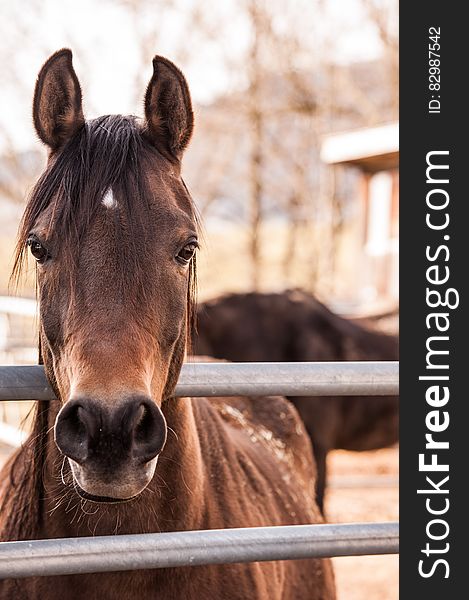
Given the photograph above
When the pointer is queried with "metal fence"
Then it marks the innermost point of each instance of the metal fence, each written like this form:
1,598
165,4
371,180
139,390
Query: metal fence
241,379
160,550
190,548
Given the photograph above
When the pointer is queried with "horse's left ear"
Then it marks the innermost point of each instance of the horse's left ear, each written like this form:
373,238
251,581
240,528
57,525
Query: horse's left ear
168,108
57,106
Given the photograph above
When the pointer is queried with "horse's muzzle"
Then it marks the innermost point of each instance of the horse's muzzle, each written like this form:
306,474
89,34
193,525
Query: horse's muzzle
112,450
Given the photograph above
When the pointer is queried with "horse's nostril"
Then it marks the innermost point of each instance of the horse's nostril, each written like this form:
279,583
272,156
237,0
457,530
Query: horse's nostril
149,432
88,422
73,431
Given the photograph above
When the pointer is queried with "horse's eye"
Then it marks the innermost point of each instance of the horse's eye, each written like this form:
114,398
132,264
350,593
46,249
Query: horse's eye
37,249
185,254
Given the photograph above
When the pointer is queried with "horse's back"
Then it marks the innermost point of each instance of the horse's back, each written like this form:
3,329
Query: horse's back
267,430
261,472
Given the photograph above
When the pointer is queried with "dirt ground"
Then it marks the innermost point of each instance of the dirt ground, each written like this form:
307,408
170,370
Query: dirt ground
364,577
360,577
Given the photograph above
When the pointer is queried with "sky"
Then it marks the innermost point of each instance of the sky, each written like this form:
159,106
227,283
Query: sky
103,36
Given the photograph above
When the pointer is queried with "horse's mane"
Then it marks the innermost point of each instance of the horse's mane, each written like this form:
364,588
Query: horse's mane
107,152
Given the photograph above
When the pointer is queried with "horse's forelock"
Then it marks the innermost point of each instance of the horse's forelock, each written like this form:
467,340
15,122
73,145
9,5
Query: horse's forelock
105,152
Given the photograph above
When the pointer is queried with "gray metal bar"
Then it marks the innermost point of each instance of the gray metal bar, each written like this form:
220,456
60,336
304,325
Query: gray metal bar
190,548
240,379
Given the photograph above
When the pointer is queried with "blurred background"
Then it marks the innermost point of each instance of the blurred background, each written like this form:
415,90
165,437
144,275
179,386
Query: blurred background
293,164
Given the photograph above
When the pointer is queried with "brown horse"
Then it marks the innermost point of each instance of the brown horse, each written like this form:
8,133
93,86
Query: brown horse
113,231
295,326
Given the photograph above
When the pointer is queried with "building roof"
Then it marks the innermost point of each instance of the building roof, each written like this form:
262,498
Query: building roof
371,149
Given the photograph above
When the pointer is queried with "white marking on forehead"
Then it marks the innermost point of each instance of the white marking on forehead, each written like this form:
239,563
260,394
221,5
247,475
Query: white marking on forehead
108,199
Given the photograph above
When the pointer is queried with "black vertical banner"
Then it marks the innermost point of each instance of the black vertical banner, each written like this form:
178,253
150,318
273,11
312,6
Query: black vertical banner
434,192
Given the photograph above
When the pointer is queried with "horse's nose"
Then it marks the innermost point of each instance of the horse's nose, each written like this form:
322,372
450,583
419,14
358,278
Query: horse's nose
87,431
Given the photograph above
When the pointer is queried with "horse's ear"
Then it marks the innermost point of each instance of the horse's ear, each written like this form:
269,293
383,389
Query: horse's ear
57,106
168,108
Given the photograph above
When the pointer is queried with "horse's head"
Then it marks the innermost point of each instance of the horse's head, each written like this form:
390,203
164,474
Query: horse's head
113,231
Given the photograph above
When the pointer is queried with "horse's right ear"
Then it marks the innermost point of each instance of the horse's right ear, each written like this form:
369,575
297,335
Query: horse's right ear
168,109
57,106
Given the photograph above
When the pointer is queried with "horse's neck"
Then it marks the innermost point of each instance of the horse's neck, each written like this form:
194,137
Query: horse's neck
174,498
180,473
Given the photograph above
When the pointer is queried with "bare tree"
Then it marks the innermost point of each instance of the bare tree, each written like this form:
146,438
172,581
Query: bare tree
256,125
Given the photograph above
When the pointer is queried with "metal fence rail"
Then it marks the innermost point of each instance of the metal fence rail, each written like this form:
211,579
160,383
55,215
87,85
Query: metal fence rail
239,379
190,548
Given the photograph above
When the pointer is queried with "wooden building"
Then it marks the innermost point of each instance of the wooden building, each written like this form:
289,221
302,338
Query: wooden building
375,153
